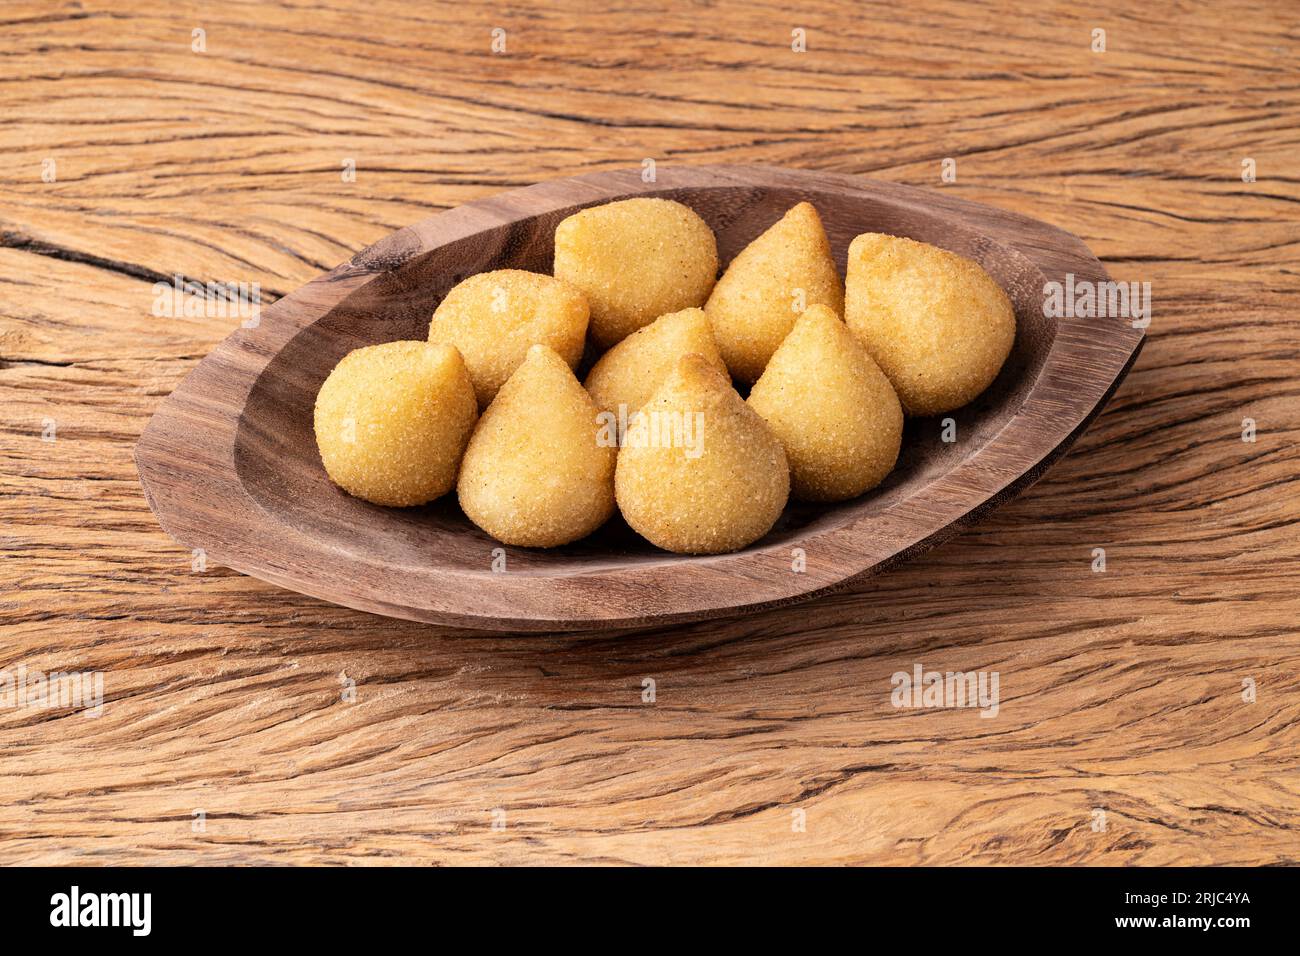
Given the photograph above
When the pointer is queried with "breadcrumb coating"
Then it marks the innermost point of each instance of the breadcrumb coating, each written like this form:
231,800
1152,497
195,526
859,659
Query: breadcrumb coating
635,260
629,374
493,318
699,470
832,408
537,473
720,488
392,421
936,323
756,302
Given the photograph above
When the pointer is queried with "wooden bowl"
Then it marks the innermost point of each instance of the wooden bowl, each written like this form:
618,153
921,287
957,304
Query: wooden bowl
229,462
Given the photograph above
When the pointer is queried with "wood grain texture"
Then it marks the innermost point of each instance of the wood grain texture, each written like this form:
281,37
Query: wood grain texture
229,463
1120,691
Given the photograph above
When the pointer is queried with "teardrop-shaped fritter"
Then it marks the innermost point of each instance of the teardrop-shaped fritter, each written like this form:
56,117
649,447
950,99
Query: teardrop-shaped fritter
699,472
935,322
494,318
635,260
538,471
629,374
392,421
774,278
835,412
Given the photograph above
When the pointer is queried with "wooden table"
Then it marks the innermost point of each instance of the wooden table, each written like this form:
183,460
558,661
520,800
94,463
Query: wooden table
1150,712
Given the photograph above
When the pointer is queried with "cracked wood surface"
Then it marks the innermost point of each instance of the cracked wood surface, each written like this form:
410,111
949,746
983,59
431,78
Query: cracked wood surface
1121,691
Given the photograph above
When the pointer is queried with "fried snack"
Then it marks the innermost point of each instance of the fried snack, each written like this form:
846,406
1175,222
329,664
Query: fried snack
699,472
635,260
936,323
392,421
832,408
628,375
755,303
495,317
535,474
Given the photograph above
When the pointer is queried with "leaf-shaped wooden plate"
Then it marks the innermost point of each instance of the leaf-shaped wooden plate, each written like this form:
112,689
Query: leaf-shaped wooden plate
229,462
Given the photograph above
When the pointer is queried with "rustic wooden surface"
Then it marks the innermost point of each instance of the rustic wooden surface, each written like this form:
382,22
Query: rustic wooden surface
1121,691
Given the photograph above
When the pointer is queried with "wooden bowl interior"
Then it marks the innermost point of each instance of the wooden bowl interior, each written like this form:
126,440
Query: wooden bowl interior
276,425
